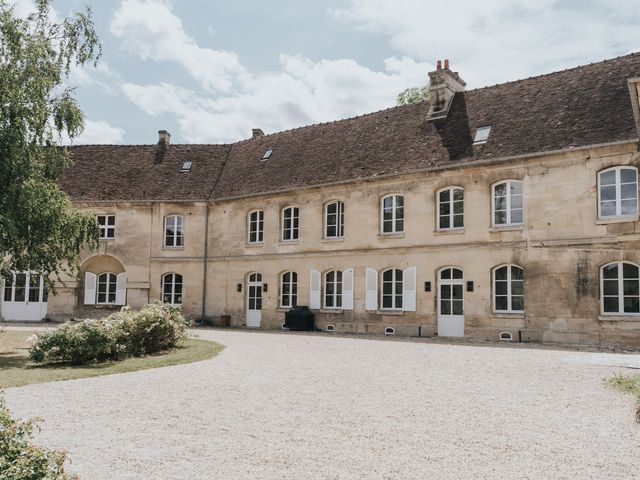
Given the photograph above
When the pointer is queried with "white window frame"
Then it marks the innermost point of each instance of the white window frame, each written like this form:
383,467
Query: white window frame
335,294
110,276
292,233
508,196
618,186
173,284
291,297
620,295
105,227
482,134
394,214
509,294
451,214
175,240
259,227
339,219
394,292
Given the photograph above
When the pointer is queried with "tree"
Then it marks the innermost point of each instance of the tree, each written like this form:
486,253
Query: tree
40,229
413,95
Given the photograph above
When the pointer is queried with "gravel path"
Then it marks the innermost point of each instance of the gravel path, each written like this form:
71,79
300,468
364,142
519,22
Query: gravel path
276,406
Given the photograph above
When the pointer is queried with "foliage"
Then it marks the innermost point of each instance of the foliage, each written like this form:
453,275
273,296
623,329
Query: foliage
629,384
40,230
413,95
21,460
156,327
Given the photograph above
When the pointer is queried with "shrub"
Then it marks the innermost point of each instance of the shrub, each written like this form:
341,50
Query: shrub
156,327
19,459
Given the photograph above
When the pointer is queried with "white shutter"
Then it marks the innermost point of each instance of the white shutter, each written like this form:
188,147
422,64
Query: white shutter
347,289
121,289
90,280
314,290
371,297
409,290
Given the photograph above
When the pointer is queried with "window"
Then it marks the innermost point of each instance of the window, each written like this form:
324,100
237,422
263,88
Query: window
618,192
186,166
392,287
107,226
334,220
333,289
508,289
620,288
267,154
507,203
482,134
174,231
290,224
106,289
393,214
172,288
289,290
450,208
256,224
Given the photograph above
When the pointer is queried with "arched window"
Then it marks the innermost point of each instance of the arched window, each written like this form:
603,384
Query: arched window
172,288
392,289
450,208
508,289
256,225
618,192
620,288
334,220
392,214
333,289
289,289
290,219
174,231
106,292
508,203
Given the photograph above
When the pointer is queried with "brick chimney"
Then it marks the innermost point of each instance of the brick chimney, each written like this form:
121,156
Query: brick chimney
443,85
256,132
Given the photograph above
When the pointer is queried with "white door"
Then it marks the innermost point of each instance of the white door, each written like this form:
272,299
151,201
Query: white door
24,298
254,300
450,303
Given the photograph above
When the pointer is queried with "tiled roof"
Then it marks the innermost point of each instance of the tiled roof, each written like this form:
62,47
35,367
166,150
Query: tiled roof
582,106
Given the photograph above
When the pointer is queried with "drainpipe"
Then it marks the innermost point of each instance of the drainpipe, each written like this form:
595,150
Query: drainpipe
204,264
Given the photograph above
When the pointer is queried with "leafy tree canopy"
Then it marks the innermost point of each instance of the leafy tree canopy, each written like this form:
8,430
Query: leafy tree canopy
40,230
413,95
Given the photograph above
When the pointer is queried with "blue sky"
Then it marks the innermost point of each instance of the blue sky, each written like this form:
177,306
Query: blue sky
209,71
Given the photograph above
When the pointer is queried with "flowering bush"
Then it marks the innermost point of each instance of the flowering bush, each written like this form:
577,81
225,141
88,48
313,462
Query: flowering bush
156,327
19,459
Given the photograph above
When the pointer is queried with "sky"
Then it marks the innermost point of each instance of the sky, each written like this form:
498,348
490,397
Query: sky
209,71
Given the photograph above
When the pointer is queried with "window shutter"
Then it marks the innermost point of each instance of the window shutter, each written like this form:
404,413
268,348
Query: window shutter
90,288
409,290
347,289
121,289
371,298
314,290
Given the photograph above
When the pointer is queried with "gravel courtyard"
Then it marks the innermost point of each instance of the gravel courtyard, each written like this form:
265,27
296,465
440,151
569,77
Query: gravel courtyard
276,406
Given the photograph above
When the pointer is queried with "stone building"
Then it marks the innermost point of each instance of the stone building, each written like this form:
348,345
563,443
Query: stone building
504,212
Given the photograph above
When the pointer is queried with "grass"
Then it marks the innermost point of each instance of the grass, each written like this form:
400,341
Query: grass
16,369
628,384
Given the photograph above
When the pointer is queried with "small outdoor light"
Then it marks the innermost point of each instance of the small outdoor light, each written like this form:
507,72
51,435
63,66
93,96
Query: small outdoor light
427,286
470,286
239,287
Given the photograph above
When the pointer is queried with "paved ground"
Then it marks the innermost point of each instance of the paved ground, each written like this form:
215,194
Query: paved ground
276,406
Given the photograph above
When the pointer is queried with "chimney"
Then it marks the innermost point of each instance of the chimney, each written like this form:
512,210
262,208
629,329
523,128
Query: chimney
164,137
443,85
256,132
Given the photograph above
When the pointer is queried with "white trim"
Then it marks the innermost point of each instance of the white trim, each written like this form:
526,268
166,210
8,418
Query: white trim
508,208
347,289
335,294
90,288
509,293
409,288
294,231
259,229
394,293
104,228
293,280
371,289
394,213
339,220
620,296
451,216
110,281
315,279
503,336
389,331
172,295
618,195
177,239
121,289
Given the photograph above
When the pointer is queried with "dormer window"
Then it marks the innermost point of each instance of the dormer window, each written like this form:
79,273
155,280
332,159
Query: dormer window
482,134
186,166
267,154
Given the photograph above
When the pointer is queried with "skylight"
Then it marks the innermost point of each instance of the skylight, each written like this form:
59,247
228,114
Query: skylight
186,166
267,154
482,134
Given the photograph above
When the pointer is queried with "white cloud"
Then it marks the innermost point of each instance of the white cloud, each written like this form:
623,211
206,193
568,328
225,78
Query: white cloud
150,30
99,132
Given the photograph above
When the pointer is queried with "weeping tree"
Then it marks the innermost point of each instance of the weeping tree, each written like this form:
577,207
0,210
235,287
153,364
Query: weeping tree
40,230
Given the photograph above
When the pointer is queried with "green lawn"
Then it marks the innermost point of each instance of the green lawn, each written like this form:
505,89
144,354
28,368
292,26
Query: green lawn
16,369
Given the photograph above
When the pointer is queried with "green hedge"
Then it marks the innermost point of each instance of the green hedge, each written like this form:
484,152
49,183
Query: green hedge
128,333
